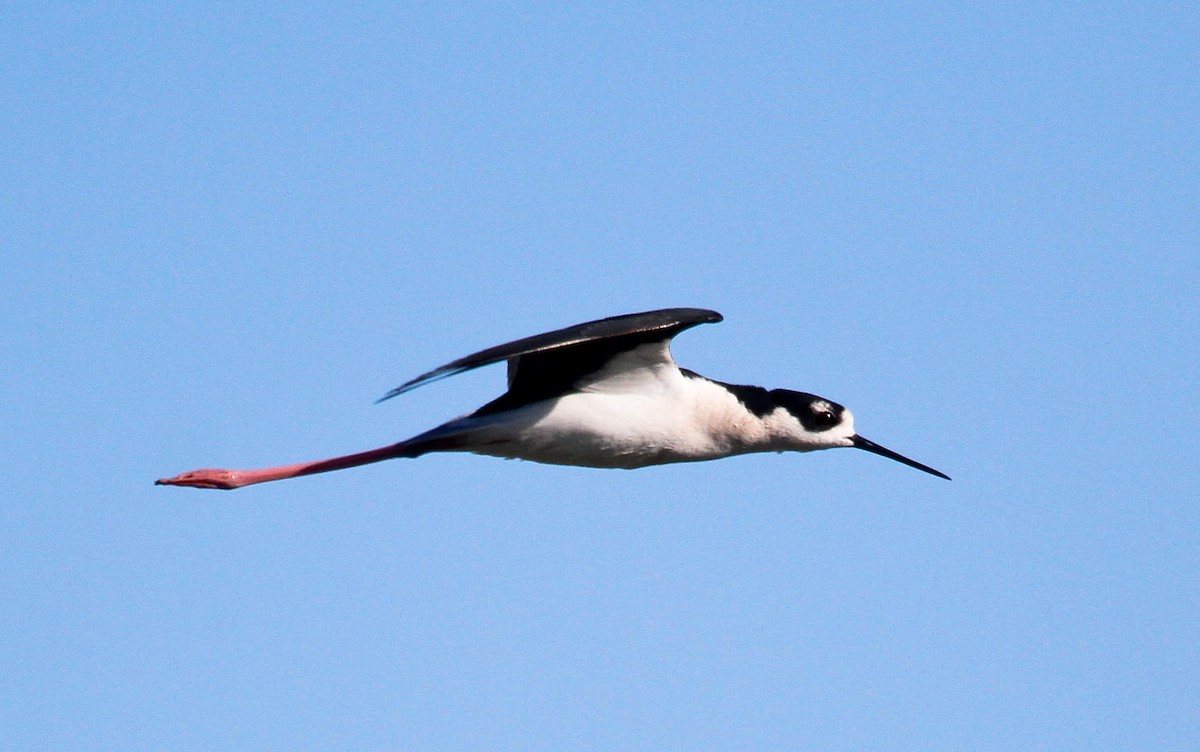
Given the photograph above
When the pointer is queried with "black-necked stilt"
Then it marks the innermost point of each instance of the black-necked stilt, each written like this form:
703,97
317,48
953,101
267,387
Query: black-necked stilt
604,394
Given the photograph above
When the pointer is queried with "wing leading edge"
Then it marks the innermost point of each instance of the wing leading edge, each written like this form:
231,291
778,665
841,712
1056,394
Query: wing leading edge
598,337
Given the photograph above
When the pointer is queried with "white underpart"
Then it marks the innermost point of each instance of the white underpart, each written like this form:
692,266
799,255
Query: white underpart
639,410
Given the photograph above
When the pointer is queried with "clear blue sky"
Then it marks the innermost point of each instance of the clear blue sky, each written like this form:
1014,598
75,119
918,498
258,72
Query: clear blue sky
225,231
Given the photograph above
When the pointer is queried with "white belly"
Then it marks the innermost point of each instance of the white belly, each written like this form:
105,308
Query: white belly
598,430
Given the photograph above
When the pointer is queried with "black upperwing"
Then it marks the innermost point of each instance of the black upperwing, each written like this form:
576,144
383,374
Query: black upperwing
549,363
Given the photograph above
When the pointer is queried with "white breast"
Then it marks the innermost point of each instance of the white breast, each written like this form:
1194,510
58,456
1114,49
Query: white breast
677,419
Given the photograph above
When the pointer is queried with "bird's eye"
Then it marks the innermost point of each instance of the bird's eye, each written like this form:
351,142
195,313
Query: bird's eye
826,418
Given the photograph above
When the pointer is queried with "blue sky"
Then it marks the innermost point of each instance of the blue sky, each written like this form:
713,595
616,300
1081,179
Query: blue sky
225,231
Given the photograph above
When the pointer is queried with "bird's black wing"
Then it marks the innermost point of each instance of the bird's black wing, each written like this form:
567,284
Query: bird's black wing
573,351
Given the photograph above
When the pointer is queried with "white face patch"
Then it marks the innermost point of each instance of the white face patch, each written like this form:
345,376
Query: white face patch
790,432
845,429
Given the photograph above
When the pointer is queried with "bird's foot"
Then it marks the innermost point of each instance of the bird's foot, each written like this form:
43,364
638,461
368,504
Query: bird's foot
208,478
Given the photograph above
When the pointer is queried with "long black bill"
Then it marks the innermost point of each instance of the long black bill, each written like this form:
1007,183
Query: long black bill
874,448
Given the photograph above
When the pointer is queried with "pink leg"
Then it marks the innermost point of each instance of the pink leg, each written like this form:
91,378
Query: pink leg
229,479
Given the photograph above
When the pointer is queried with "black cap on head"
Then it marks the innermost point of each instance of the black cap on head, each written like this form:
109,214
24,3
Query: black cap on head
815,413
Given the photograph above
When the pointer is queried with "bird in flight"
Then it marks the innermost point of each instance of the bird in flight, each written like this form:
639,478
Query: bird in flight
603,394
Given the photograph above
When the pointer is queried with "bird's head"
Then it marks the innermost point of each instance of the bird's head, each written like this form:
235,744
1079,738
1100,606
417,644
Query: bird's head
804,422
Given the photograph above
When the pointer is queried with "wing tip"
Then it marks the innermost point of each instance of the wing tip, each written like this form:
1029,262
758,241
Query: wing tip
406,386
425,378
